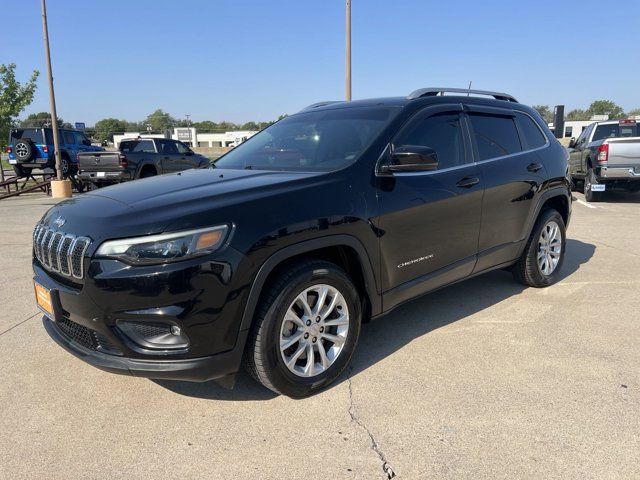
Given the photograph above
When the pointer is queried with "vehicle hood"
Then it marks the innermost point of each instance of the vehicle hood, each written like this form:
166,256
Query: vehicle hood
188,199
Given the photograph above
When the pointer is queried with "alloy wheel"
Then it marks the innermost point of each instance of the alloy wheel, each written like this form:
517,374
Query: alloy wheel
314,330
549,248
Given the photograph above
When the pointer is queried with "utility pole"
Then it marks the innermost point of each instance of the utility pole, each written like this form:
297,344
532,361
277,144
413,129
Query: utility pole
65,191
348,52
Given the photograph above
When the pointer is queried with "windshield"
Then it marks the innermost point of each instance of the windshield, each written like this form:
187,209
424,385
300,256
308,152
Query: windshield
615,130
317,141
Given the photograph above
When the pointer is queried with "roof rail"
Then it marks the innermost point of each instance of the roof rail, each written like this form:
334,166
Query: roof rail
433,91
321,104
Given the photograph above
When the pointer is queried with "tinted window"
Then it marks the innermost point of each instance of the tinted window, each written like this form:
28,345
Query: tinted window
81,139
442,133
182,148
167,147
615,130
495,136
35,134
533,137
137,146
68,137
322,140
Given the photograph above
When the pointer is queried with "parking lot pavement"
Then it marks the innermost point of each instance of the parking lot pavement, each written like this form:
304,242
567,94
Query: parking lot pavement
484,379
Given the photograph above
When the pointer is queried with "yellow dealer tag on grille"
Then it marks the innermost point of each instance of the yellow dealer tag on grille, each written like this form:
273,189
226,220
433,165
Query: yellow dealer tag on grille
43,297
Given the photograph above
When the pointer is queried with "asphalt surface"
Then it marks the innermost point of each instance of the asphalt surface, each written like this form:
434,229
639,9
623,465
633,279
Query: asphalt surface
482,380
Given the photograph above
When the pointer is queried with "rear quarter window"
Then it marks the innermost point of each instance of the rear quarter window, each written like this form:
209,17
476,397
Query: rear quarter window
533,136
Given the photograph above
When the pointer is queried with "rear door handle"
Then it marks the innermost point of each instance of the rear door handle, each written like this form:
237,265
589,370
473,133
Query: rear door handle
468,182
534,167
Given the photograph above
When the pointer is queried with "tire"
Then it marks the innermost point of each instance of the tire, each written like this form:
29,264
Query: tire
528,269
574,184
590,179
21,171
23,149
265,360
148,172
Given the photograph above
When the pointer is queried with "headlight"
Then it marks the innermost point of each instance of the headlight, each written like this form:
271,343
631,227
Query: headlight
166,247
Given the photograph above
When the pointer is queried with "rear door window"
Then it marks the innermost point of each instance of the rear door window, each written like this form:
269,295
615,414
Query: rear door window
495,135
533,136
68,137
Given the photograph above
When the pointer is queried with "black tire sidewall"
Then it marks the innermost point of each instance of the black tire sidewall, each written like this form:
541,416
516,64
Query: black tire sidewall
590,179
539,279
279,375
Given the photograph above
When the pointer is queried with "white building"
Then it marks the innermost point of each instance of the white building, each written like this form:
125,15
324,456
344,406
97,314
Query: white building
191,137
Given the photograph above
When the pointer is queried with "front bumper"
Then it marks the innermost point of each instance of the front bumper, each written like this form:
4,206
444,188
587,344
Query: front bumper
197,295
191,369
620,173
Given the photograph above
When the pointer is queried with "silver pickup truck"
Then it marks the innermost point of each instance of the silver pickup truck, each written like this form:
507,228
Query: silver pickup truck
606,156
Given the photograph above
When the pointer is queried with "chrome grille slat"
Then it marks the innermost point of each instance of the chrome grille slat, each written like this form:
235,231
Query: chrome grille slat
60,252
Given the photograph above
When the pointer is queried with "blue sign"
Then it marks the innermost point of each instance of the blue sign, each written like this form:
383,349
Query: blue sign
79,125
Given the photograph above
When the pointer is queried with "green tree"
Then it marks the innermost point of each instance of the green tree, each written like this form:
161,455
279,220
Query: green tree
42,119
634,113
205,126
577,114
160,121
250,126
545,112
227,126
14,97
105,128
605,107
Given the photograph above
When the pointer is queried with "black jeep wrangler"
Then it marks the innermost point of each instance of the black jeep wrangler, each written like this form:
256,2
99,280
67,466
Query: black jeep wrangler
278,253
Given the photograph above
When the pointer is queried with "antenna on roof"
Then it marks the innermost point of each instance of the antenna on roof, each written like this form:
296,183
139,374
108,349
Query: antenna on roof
469,92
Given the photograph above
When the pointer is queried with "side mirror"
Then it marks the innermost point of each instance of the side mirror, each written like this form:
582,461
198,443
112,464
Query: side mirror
572,142
412,158
189,152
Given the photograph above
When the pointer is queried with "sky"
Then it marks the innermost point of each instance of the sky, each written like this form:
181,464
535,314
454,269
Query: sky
242,60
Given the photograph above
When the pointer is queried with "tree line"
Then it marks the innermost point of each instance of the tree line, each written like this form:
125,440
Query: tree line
598,107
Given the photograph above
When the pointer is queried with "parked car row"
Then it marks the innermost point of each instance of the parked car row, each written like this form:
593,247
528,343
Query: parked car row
137,158
33,148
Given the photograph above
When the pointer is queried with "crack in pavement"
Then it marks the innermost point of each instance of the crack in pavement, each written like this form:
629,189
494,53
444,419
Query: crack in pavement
386,468
19,323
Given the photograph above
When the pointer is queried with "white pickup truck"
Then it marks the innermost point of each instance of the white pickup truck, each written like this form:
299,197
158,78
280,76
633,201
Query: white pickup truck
606,156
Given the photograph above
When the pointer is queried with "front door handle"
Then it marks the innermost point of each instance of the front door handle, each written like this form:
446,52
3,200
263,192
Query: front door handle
468,182
534,167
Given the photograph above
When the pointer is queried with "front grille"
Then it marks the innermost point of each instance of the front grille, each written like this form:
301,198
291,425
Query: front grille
60,252
86,337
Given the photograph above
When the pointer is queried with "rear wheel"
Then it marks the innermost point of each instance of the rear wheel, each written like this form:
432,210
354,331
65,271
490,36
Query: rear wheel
589,180
540,263
306,330
21,171
148,172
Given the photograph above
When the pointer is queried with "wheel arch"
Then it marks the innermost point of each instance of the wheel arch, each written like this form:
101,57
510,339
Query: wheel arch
557,198
146,166
344,250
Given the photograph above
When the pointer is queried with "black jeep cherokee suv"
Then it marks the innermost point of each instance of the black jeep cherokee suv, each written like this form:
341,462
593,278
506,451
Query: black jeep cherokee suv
278,253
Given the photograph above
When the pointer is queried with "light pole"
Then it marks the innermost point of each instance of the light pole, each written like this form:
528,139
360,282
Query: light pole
348,51
61,188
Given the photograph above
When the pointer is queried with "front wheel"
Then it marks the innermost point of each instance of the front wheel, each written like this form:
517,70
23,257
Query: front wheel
306,329
540,263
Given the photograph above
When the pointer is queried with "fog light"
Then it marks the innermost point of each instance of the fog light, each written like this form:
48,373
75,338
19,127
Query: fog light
154,335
